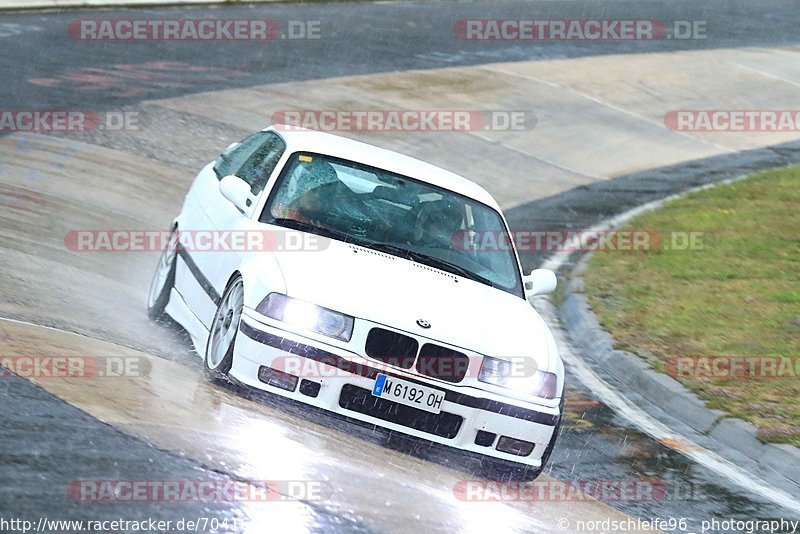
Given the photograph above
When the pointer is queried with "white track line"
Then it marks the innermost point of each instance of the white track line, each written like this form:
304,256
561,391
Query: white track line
765,74
61,331
613,107
538,158
623,406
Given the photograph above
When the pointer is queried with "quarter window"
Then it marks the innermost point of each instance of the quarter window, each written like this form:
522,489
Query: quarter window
252,160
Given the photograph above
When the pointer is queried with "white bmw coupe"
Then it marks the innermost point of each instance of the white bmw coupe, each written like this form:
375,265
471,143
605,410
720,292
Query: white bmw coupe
349,277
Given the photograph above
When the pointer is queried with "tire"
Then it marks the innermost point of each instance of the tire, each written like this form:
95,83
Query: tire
218,358
163,279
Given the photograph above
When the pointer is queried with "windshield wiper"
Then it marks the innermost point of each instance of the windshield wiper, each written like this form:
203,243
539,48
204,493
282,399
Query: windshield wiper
391,249
314,229
450,267
431,261
418,257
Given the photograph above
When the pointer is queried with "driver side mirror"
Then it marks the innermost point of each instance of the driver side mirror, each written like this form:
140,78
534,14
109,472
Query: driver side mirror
539,282
236,191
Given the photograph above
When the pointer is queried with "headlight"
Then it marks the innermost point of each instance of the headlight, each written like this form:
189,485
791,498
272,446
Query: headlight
307,316
507,374
495,371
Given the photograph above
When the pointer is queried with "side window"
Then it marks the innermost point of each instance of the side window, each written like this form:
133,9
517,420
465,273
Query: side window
257,169
232,159
252,160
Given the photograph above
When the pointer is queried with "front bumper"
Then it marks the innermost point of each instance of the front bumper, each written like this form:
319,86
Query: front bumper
468,417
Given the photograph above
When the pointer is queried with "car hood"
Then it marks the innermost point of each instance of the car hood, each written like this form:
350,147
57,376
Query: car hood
397,292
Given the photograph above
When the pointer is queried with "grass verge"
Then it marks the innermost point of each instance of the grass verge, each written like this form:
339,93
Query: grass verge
737,296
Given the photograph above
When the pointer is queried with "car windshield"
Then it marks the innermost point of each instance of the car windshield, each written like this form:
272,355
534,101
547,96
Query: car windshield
398,215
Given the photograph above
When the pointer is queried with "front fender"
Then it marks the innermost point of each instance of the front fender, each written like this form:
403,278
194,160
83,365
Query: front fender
261,275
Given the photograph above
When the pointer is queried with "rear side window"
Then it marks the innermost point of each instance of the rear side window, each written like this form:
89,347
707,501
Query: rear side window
252,160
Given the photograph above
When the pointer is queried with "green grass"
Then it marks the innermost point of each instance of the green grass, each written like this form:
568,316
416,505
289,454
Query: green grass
738,296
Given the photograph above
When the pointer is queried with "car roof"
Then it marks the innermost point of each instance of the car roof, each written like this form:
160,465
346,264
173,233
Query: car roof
304,140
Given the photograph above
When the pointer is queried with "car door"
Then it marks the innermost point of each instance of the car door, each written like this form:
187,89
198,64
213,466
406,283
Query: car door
253,160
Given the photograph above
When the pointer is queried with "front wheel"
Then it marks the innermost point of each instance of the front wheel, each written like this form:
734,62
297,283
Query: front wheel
219,349
163,279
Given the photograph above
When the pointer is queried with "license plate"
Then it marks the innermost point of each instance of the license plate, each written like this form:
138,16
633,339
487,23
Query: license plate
408,393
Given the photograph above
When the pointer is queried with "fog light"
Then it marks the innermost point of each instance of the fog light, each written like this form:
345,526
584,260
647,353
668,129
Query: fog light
484,439
309,388
517,447
279,379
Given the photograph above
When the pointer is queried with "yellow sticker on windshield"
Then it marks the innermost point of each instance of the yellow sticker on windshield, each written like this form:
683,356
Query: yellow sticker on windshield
306,159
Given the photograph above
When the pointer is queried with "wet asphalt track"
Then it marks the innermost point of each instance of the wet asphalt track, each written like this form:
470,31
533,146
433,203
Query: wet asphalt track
360,38
47,443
